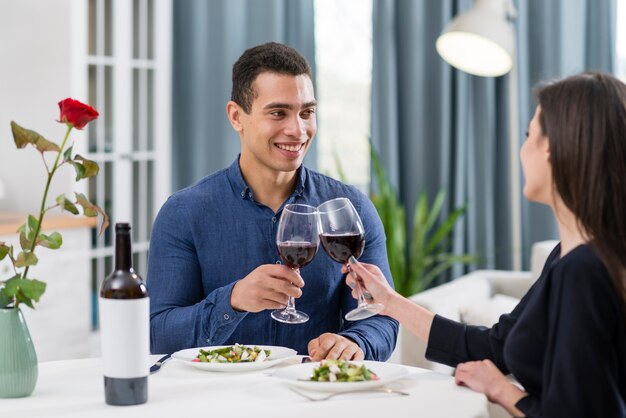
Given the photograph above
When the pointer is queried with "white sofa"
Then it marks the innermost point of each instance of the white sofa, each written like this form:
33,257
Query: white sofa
477,298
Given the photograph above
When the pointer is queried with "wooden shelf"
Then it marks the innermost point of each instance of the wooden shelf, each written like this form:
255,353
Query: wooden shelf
10,221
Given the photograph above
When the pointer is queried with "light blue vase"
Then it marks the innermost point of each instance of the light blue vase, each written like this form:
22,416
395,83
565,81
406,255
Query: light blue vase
18,360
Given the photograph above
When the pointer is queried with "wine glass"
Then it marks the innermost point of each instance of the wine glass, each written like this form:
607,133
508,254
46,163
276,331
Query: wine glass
342,236
297,240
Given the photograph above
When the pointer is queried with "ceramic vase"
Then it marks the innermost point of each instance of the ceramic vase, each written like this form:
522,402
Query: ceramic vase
18,360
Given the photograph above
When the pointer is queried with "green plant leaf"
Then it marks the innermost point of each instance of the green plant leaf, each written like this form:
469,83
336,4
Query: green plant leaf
32,289
5,300
66,204
52,241
12,286
67,154
23,137
445,229
91,210
89,168
26,258
33,224
25,243
4,250
27,231
435,209
21,298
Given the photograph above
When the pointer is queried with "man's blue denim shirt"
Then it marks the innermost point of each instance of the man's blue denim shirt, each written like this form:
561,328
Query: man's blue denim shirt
209,235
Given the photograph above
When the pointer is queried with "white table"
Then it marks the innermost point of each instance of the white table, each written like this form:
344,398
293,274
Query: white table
74,388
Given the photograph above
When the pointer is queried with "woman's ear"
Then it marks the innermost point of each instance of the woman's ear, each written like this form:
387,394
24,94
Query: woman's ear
234,111
545,146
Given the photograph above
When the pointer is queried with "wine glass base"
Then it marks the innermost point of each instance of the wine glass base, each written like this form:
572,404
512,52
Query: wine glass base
290,317
364,311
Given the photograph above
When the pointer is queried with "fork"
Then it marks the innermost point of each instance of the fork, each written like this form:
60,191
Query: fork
332,395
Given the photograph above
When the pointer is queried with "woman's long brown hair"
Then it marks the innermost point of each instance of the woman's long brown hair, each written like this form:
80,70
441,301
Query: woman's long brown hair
584,117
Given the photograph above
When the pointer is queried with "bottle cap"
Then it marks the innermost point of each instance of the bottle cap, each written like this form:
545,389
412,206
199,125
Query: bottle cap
122,227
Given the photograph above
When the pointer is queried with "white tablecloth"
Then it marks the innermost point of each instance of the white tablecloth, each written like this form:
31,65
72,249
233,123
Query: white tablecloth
74,388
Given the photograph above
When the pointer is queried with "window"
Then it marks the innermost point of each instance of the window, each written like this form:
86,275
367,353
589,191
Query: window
620,42
343,36
127,63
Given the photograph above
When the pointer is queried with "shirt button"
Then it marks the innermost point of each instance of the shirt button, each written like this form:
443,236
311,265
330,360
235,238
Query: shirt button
226,316
278,262
274,220
250,195
243,193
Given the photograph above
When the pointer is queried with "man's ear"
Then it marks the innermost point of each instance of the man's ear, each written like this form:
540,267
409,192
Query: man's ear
234,112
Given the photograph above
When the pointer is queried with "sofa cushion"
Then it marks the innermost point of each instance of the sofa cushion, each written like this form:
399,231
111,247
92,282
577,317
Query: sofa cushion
487,312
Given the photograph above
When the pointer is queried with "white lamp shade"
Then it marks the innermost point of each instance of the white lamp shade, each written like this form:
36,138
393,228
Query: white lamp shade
481,41
2,191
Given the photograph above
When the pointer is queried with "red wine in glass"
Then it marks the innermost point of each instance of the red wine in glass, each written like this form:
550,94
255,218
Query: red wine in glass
342,236
297,254
341,246
297,240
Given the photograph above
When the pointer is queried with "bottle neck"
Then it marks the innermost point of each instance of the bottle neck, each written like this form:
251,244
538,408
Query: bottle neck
123,253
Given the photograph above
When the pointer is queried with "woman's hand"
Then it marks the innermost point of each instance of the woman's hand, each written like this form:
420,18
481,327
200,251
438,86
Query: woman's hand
484,377
372,280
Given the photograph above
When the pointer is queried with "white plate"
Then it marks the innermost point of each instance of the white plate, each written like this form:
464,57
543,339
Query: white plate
298,375
278,355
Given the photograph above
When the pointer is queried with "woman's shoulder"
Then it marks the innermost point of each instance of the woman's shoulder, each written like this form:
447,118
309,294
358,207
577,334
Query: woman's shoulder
581,278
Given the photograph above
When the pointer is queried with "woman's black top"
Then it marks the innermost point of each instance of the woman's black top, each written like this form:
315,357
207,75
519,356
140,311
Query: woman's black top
565,341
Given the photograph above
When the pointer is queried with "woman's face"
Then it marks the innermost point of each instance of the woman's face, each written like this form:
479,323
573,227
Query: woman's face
535,158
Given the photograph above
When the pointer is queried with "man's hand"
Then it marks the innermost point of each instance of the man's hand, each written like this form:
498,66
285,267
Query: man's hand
266,287
333,346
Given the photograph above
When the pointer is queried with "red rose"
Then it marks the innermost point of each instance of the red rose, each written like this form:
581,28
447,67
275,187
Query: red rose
76,113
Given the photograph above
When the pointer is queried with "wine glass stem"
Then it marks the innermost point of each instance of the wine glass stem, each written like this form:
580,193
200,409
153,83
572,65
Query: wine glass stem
291,302
359,288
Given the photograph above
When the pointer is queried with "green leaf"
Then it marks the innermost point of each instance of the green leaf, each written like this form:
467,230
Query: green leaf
91,210
67,154
23,137
52,241
21,298
25,258
25,243
4,250
27,232
445,229
66,204
33,224
88,207
12,286
5,300
32,289
85,169
435,209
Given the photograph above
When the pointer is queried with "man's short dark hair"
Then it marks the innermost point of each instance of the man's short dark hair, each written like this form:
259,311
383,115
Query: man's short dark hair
271,57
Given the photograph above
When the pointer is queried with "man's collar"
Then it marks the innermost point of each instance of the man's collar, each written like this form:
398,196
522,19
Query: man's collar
240,186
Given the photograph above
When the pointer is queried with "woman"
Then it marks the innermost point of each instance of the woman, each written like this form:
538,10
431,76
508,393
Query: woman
566,340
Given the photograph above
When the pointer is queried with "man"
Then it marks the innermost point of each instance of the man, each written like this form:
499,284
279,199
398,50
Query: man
214,271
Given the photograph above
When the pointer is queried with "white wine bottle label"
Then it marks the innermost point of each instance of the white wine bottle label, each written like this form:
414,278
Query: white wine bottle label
125,337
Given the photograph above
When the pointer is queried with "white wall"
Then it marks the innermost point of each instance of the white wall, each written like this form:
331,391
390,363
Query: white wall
34,75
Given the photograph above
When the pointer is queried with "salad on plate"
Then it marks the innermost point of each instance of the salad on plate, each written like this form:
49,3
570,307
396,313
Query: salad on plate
342,371
237,353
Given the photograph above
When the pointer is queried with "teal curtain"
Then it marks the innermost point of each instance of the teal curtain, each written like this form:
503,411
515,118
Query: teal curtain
436,127
209,36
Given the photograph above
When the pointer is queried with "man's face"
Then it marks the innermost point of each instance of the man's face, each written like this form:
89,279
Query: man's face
280,127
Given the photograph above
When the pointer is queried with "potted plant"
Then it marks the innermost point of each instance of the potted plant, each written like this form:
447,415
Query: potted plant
18,360
416,262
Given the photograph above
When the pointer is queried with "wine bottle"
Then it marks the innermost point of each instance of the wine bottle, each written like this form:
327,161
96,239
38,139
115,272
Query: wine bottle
124,328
